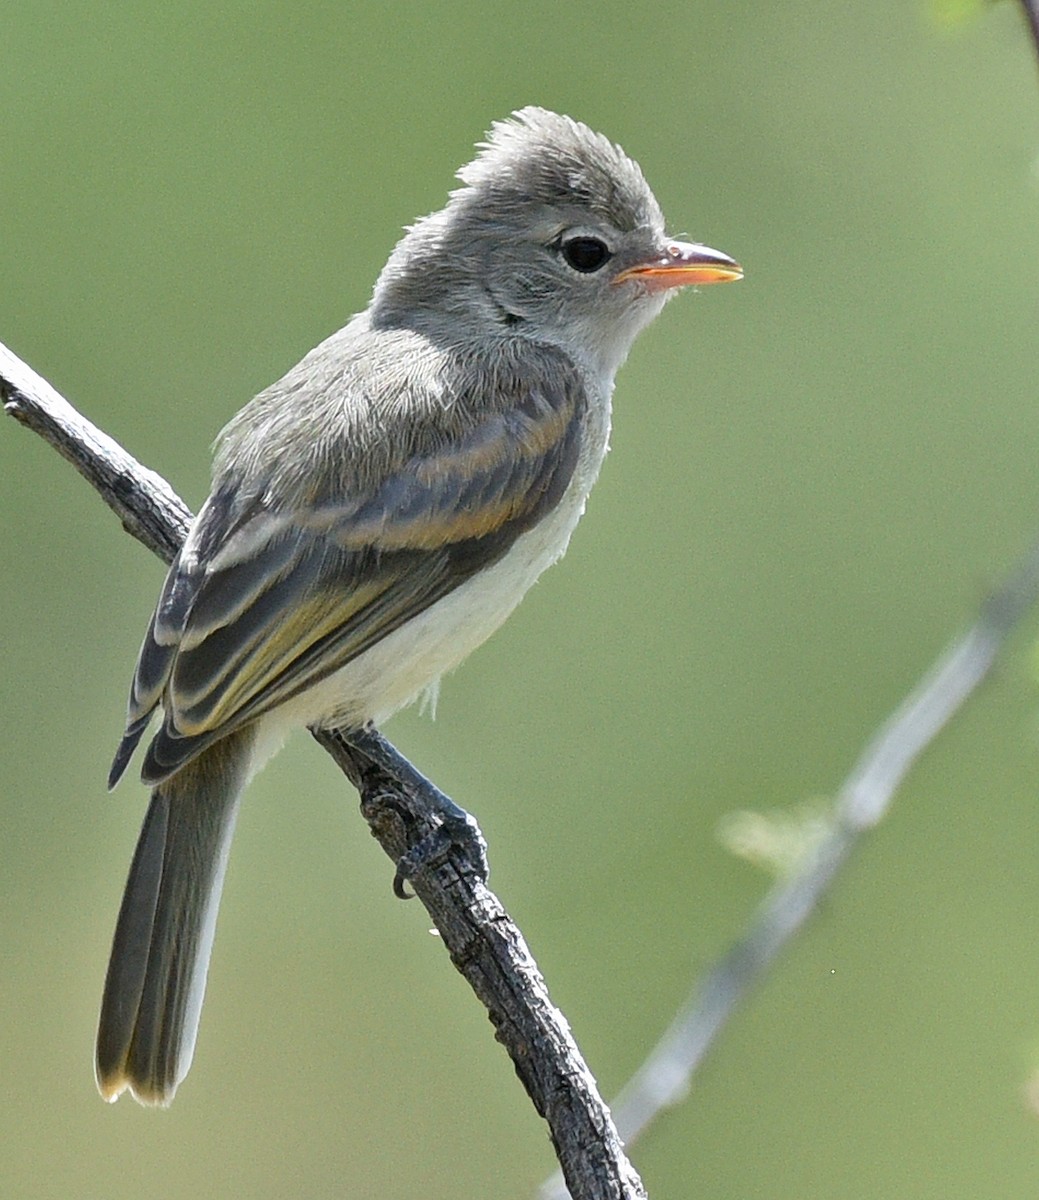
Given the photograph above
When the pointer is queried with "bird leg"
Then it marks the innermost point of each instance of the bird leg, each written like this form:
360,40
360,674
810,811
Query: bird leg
457,828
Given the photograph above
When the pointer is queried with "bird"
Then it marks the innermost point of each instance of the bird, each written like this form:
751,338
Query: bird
374,516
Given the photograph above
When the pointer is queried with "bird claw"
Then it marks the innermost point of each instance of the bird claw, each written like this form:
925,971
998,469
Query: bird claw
457,830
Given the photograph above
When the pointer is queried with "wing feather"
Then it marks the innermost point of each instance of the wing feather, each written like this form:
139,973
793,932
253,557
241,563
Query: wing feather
266,600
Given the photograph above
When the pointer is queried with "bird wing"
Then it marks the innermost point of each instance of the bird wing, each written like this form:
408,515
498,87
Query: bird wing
263,602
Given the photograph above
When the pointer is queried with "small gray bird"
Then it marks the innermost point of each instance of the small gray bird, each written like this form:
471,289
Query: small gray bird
375,515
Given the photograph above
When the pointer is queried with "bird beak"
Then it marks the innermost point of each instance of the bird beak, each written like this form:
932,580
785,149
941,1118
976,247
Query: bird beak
683,263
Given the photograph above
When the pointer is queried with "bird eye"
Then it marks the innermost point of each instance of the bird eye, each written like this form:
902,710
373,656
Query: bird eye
585,254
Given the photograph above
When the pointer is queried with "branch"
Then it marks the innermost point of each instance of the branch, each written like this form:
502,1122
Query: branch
863,801
149,509
664,1079
485,945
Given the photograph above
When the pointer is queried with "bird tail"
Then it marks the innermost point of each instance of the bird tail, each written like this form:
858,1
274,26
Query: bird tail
160,953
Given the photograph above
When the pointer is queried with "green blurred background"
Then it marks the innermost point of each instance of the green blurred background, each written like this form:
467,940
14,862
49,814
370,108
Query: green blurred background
816,476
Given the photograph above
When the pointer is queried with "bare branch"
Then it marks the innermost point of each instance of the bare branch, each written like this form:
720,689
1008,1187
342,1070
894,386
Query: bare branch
149,509
482,940
863,801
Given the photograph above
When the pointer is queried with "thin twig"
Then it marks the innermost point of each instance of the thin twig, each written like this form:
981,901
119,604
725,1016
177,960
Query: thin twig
864,799
862,802
484,943
149,509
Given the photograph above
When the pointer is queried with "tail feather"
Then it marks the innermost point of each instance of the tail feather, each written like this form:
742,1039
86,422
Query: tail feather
160,953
